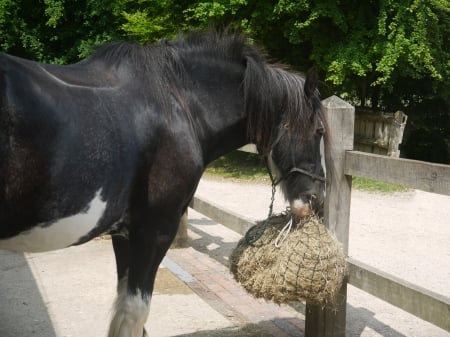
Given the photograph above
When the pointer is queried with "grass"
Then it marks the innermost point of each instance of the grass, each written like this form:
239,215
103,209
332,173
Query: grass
239,165
244,166
365,184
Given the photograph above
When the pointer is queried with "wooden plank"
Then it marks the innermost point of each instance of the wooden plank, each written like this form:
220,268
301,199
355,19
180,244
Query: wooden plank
416,174
249,148
370,142
374,118
396,131
420,302
226,217
341,116
324,322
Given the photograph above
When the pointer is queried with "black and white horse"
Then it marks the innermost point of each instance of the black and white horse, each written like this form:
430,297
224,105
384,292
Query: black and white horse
117,144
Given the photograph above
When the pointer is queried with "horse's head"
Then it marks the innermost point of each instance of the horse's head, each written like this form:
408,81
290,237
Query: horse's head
298,152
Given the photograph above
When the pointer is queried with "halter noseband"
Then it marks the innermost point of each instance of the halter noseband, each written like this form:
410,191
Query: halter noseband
294,169
299,170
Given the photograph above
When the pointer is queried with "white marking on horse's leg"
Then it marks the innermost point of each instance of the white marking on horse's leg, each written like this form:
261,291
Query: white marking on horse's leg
130,313
59,234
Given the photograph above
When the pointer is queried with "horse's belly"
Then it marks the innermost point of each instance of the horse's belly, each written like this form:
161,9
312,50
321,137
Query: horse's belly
59,234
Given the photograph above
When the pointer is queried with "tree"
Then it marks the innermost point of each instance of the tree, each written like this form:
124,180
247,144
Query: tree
386,54
363,47
152,20
58,31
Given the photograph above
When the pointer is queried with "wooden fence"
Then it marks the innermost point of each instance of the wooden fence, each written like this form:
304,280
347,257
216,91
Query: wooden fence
435,178
379,133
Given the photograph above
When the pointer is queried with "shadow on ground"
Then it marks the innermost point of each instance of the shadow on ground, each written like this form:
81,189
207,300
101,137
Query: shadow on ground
23,311
249,330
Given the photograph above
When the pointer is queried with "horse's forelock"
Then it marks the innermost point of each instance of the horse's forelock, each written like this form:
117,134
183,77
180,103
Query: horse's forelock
274,95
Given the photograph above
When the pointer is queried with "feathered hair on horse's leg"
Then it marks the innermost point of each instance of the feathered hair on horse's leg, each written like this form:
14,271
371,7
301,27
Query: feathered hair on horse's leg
130,313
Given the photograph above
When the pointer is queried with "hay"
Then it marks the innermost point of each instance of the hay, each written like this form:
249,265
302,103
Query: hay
309,265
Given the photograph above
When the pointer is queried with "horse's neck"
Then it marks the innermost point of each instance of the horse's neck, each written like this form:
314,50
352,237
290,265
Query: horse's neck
223,128
219,104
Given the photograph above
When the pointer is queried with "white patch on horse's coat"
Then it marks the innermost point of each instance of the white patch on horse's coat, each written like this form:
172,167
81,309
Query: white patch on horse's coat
130,313
59,234
300,207
322,162
298,204
322,155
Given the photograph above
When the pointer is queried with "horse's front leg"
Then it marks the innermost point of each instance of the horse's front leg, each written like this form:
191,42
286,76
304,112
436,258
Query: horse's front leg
143,251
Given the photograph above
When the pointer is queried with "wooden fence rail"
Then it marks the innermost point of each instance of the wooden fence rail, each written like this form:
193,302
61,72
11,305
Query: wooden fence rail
435,178
420,302
420,175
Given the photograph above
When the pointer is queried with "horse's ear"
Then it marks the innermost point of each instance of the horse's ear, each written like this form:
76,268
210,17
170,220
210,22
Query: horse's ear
311,82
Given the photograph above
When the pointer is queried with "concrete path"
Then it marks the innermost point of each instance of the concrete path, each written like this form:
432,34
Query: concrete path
69,293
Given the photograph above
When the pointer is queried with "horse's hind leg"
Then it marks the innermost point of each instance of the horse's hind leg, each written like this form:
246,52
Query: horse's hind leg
137,260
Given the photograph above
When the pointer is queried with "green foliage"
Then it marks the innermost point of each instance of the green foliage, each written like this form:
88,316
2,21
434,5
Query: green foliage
57,31
410,34
151,20
54,11
224,12
363,47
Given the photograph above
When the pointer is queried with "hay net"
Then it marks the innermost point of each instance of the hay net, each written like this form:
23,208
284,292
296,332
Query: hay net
303,262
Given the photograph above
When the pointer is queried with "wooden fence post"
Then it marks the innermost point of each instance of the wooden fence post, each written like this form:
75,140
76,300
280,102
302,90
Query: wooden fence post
181,239
396,134
330,322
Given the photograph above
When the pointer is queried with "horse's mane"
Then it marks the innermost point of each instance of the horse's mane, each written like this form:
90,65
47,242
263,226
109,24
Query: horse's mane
272,94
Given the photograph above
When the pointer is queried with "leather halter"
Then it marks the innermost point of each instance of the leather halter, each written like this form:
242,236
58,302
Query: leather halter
299,170
294,169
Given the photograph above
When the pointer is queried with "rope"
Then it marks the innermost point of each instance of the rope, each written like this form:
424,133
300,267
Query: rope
254,233
284,233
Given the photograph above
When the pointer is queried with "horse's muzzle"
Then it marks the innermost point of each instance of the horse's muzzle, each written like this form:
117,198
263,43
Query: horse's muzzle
308,205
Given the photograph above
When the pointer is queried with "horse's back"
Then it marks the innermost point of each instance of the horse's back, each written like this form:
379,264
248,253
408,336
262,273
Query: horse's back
65,148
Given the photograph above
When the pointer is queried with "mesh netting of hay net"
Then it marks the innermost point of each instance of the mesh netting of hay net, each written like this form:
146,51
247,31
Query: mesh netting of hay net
308,264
